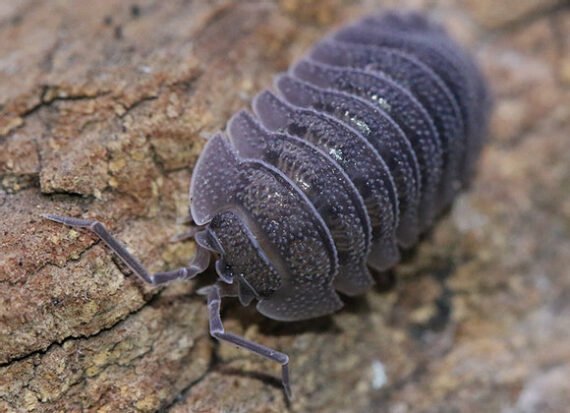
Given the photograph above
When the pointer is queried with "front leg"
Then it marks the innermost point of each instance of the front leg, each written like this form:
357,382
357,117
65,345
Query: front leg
198,265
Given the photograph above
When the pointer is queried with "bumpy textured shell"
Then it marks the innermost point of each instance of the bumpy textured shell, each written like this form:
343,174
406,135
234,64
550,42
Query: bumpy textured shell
365,141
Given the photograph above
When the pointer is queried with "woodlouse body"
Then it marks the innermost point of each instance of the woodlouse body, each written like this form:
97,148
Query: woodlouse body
367,140
369,137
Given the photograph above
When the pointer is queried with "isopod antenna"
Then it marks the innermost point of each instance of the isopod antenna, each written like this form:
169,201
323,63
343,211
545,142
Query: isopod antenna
197,265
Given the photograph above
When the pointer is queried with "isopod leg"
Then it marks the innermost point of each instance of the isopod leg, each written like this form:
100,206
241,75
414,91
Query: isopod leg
217,331
199,263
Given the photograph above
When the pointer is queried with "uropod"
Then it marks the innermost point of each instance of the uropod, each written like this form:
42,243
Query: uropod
350,158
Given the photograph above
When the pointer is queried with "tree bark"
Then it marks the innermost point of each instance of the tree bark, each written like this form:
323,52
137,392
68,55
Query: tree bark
103,107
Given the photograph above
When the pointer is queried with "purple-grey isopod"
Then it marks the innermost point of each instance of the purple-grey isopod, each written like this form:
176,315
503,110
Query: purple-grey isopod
360,146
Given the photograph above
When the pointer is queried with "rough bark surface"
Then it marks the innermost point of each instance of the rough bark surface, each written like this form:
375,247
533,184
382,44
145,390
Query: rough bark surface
102,110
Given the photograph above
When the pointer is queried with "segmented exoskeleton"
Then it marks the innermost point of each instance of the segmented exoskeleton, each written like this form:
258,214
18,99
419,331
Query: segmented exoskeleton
362,144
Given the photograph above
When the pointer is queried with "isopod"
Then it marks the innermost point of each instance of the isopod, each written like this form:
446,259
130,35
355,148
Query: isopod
361,145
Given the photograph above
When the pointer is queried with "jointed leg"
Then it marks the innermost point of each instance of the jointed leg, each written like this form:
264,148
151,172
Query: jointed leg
217,331
199,264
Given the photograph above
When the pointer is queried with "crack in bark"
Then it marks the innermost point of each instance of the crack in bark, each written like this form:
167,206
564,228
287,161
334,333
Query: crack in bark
115,363
133,105
47,101
63,341
51,263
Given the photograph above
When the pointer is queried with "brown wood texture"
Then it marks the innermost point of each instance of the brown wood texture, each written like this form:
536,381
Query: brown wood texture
103,106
